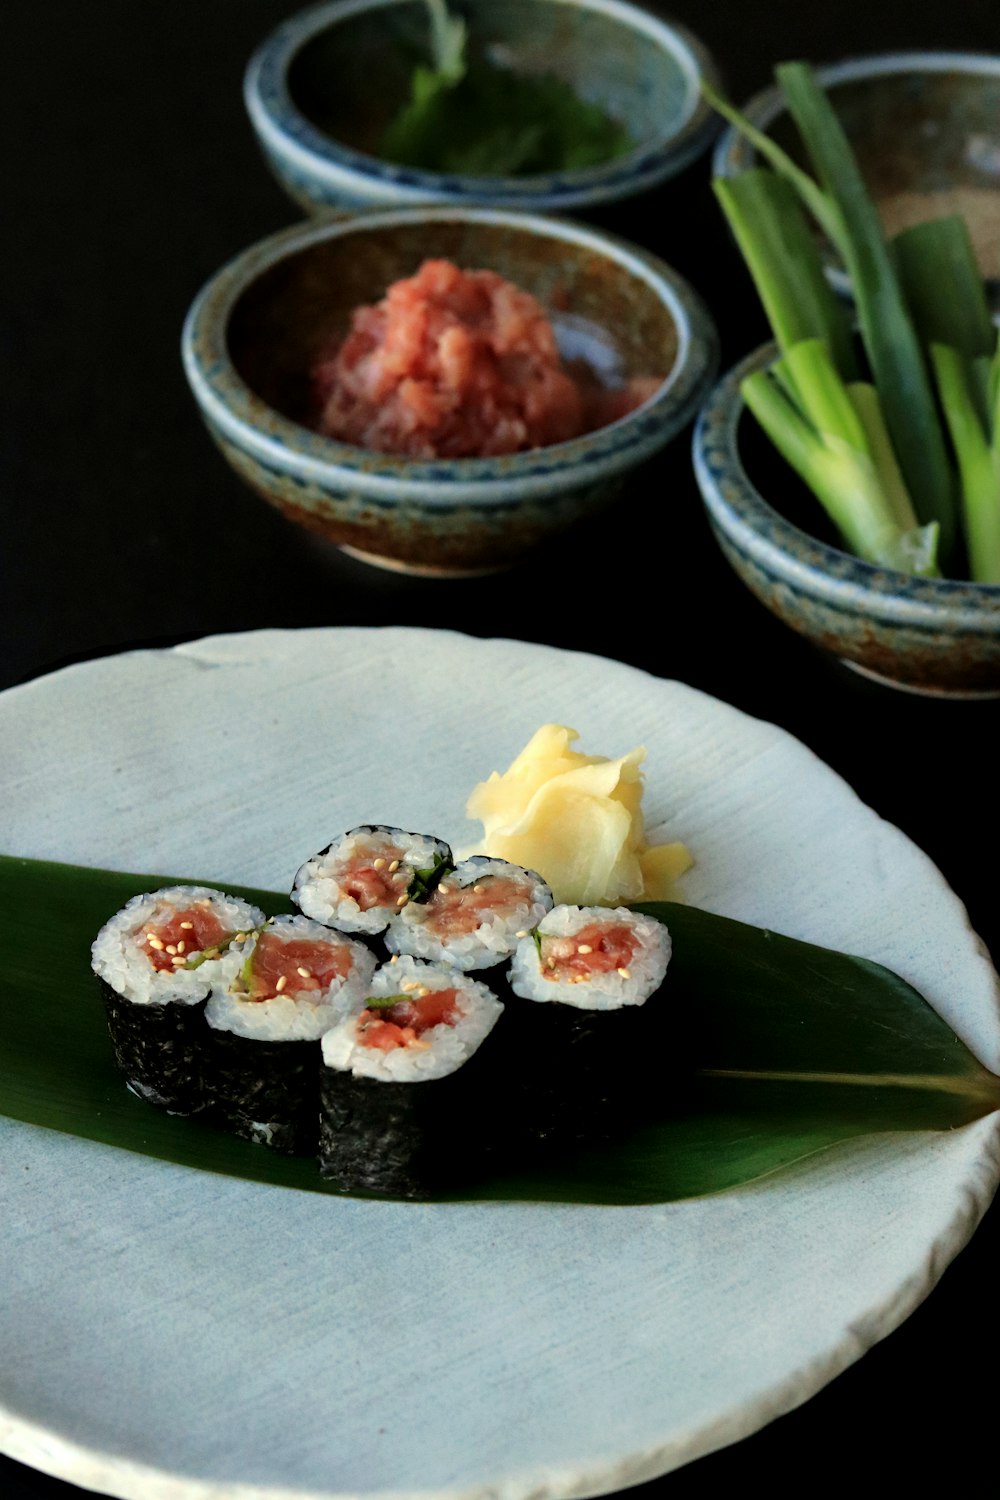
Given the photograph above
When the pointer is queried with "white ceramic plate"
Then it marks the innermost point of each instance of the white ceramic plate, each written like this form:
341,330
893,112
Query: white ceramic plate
175,1334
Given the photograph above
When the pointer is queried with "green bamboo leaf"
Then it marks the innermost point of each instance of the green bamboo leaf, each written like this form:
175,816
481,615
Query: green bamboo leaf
773,1049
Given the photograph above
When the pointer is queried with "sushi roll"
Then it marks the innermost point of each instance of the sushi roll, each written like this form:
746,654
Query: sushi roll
405,1086
367,875
474,917
156,961
590,1044
295,979
592,958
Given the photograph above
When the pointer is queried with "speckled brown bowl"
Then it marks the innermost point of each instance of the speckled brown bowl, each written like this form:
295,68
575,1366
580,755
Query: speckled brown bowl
321,89
256,329
938,636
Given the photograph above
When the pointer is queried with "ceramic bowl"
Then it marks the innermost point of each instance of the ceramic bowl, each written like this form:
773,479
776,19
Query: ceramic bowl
925,127
323,86
937,636
256,329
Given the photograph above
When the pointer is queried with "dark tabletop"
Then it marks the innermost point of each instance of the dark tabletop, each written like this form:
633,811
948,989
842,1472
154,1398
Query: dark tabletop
132,174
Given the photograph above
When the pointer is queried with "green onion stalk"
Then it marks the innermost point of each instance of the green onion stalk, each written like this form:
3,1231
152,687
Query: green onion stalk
976,439
891,341
944,287
833,434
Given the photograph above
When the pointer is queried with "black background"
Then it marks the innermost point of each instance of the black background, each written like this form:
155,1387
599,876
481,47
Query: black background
131,174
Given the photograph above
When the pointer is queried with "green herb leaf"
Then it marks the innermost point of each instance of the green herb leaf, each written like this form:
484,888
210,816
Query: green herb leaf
213,950
493,122
424,881
246,970
776,1049
448,38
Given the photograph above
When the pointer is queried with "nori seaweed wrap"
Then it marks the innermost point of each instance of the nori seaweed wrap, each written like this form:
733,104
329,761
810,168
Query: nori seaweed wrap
156,961
264,1026
406,1085
581,1043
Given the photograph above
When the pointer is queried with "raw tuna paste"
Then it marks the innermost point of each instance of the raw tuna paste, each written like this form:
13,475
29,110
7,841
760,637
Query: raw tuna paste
459,364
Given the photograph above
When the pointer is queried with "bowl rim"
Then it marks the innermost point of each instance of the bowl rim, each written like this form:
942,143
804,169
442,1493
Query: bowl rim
847,584
316,158
733,152
232,409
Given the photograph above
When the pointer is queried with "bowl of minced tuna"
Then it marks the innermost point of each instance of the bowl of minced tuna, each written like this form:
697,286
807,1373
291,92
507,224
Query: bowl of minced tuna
440,390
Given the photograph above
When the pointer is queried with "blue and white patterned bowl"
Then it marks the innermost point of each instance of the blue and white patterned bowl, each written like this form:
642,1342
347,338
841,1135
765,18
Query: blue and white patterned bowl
323,86
258,326
925,127
938,636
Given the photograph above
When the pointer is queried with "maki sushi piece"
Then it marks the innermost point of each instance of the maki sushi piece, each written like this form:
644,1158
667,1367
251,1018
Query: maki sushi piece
295,979
590,1043
475,915
592,958
368,875
406,1082
156,961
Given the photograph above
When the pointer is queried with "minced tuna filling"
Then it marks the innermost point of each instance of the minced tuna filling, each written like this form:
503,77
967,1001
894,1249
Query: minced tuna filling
459,364
600,948
404,1022
290,968
375,880
170,940
454,909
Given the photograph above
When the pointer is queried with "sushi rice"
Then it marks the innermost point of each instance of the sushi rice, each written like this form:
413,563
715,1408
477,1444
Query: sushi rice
120,957
304,1014
438,1051
379,864
607,989
440,928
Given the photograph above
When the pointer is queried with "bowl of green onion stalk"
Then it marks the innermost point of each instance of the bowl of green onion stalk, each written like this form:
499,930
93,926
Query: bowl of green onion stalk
876,421
545,105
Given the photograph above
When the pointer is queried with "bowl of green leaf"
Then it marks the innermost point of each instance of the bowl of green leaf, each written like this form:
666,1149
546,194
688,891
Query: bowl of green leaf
876,427
536,104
